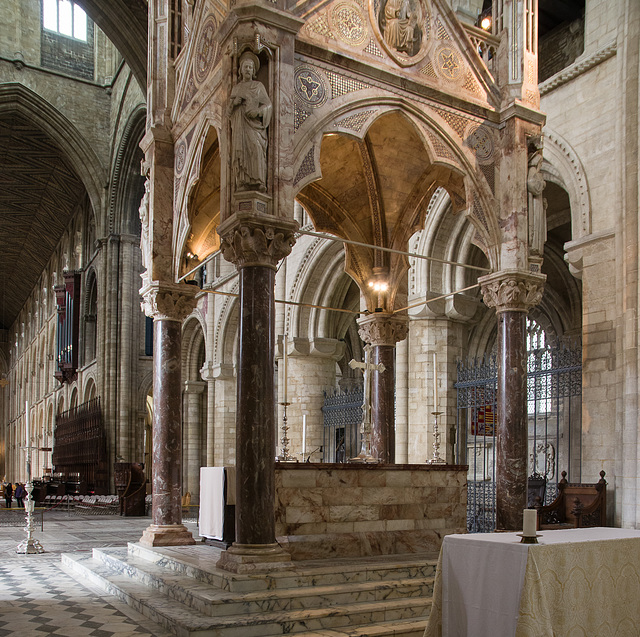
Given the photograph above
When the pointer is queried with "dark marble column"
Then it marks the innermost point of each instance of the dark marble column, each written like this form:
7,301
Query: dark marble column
168,305
383,432
512,293
255,244
383,331
512,434
255,419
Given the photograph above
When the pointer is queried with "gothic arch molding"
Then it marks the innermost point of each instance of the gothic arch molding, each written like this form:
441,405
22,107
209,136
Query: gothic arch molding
568,172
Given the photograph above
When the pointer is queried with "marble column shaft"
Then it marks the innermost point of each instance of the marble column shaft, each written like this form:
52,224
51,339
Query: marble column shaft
383,433
512,293
255,420
383,331
167,422
512,435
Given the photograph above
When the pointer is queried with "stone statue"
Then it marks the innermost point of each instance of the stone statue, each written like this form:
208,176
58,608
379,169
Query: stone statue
537,205
399,26
250,112
143,211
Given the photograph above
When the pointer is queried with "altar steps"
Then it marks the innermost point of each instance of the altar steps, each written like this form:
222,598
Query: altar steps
180,589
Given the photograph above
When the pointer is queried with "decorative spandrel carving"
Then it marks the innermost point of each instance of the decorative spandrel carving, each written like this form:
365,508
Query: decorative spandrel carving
537,204
383,330
512,290
249,244
250,113
168,302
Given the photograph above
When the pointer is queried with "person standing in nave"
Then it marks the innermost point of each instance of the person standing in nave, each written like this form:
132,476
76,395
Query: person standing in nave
8,494
20,493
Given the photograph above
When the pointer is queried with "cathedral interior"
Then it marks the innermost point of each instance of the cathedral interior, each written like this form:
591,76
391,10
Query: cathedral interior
335,245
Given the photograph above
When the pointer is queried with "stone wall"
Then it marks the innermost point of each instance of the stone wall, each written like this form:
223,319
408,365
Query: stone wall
353,510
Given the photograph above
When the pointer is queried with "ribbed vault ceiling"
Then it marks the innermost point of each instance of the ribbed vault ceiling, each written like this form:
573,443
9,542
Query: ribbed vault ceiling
38,196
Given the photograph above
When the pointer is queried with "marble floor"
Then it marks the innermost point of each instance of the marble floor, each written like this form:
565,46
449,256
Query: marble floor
38,598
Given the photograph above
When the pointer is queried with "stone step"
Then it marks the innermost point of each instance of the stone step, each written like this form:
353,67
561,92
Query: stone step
199,562
186,621
211,600
412,628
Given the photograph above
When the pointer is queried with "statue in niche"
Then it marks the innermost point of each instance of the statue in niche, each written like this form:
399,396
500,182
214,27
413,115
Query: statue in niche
250,112
398,23
143,211
537,205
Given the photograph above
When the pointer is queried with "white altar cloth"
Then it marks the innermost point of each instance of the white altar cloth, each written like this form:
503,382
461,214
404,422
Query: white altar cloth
217,488
491,585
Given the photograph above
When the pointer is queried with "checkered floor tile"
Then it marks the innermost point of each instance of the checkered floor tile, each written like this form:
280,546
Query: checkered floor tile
38,598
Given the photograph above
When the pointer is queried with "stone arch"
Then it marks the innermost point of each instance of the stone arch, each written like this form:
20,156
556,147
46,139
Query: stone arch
226,331
90,390
40,113
563,167
198,177
127,183
193,347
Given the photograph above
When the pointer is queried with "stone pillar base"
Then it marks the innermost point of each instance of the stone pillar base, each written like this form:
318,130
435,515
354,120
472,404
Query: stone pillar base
251,558
166,535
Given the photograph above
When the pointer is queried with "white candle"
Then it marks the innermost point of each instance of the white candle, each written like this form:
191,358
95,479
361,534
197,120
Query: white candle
26,417
529,522
284,368
435,382
304,433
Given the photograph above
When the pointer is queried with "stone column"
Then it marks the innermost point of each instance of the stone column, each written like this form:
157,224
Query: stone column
512,293
382,332
169,305
192,457
255,244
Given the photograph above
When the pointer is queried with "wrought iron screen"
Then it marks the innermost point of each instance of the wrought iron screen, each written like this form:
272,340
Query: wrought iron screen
554,388
342,415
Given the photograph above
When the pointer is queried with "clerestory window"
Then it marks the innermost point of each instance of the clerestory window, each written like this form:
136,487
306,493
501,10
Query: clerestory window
66,18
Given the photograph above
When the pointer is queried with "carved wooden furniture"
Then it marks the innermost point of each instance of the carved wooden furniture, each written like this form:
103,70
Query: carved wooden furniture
80,448
576,506
131,487
536,487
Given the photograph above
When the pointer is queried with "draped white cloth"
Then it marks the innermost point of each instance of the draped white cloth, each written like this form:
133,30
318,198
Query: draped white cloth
575,582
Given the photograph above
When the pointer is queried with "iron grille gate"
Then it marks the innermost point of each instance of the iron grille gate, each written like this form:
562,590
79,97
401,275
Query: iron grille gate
342,415
554,387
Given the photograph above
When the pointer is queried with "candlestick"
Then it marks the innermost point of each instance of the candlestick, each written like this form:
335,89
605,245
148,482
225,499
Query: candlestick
304,434
26,416
284,368
435,382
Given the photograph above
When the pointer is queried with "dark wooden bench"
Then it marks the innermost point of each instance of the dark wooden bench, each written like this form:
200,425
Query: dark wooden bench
576,506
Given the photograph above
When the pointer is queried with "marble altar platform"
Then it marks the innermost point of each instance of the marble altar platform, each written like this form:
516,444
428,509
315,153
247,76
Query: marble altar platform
358,510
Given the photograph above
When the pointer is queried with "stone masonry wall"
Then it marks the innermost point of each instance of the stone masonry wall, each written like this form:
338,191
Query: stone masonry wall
355,510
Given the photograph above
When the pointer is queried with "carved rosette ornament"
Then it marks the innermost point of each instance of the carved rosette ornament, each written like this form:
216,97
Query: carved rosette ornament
251,242
383,329
512,290
170,302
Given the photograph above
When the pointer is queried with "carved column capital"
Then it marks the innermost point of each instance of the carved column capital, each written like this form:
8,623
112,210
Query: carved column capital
512,290
168,301
383,329
251,239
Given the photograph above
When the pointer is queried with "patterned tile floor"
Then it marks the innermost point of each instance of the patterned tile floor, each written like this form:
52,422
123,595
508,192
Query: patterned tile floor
38,598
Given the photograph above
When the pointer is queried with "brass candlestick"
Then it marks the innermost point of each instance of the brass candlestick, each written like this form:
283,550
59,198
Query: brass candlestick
436,459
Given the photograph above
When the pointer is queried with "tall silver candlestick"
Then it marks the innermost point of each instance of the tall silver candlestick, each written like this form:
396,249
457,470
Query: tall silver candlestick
285,456
436,459
29,545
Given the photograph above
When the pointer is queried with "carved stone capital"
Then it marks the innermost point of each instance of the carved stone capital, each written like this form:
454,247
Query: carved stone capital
250,239
168,301
512,290
383,329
